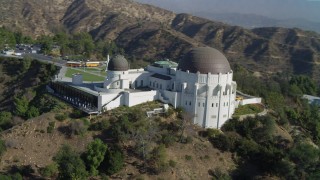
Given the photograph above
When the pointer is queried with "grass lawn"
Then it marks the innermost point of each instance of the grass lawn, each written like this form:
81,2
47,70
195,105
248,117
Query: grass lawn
95,70
248,109
86,76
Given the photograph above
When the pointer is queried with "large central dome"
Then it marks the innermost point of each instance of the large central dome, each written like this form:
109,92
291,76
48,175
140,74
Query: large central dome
204,60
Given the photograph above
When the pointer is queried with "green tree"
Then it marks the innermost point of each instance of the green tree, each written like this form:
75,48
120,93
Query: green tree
32,112
305,84
70,165
113,161
5,120
305,155
46,43
275,101
94,155
21,106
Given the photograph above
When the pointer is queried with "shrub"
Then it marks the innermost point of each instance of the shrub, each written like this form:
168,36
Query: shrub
51,126
168,139
100,126
188,157
219,175
159,157
172,163
49,171
212,133
78,127
60,117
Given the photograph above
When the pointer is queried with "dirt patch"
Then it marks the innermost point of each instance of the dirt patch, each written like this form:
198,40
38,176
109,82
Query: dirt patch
30,144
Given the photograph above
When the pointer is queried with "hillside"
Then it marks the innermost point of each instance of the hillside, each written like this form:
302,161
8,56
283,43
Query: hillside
147,32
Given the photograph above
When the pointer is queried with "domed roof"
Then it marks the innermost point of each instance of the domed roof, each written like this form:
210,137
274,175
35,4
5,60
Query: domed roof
205,60
118,63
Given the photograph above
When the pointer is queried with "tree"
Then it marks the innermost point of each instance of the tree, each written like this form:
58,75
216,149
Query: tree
46,44
305,155
95,154
21,106
305,84
5,120
113,161
70,164
32,112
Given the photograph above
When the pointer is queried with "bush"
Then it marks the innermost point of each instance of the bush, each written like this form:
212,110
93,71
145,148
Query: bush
212,133
172,163
78,127
168,139
188,157
219,175
60,117
51,126
100,126
49,171
159,158
223,142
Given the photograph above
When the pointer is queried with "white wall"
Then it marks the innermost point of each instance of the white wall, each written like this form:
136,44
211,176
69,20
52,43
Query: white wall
135,98
109,98
210,98
250,101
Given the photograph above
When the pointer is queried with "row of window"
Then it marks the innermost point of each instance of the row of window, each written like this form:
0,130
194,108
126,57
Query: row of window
155,85
212,105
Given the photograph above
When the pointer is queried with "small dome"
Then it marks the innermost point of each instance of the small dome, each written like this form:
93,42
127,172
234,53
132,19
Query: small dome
204,60
118,63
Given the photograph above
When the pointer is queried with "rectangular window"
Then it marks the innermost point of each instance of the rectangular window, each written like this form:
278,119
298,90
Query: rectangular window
199,104
212,105
186,102
203,104
190,103
216,104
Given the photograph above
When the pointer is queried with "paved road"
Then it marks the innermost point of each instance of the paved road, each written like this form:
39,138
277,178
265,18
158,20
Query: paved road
39,57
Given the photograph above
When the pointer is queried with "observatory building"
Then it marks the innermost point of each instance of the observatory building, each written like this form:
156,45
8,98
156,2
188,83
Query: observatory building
201,84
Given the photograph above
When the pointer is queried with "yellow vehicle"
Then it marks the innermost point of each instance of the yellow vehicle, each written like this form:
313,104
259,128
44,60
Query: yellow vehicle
73,64
239,98
92,64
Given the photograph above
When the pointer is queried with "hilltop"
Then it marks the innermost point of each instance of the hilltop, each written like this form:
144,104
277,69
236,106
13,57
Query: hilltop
147,32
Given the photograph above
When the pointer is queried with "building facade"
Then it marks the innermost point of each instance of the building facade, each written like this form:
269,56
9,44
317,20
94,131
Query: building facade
202,84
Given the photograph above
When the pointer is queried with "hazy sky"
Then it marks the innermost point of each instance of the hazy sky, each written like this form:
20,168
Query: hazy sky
279,9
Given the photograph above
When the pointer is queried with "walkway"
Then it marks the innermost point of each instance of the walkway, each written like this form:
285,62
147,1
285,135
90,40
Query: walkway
263,113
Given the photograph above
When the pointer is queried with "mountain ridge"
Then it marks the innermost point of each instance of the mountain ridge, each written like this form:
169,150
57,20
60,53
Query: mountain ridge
148,32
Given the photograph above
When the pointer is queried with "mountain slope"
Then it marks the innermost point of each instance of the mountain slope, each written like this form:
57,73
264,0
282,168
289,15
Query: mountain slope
147,32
